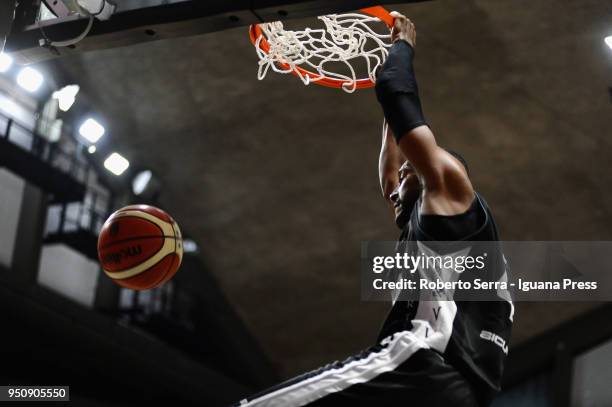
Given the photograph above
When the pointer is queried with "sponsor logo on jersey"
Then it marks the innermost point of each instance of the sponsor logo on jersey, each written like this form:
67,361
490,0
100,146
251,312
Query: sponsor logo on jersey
496,339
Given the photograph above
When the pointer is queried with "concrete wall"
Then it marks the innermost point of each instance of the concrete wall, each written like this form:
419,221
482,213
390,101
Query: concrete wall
11,194
69,273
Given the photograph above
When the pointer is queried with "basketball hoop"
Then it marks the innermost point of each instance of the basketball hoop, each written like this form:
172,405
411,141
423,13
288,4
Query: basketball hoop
345,40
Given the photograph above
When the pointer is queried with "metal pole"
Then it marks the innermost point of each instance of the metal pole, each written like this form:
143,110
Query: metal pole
9,124
62,218
7,14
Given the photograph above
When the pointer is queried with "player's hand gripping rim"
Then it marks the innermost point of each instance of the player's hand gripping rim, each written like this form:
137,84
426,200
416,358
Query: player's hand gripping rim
403,29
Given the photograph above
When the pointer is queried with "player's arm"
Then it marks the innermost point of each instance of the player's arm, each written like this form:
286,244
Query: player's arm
443,178
389,162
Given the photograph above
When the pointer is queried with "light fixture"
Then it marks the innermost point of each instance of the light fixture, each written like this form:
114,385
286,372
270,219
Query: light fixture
29,79
141,181
91,130
5,62
65,96
116,163
91,149
146,186
101,9
189,246
608,41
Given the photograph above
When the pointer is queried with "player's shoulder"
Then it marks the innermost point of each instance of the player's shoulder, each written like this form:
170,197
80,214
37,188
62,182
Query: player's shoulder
454,171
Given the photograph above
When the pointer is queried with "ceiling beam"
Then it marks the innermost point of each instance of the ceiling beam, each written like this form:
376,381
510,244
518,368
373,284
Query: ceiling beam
130,26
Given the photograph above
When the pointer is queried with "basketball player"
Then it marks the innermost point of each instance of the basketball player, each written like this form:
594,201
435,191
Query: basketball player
429,352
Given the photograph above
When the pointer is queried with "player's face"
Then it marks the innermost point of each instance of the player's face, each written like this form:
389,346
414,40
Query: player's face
405,194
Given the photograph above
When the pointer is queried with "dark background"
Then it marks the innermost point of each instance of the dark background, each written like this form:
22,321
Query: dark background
277,182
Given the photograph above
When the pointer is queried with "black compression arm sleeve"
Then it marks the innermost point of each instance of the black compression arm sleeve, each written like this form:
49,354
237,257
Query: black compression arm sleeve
397,90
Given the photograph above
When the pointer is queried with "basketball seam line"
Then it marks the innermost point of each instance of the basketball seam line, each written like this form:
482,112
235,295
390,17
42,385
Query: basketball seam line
142,218
157,285
169,266
163,252
136,238
133,238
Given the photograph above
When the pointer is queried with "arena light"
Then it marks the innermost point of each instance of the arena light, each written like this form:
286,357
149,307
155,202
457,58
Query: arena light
189,246
91,130
91,149
116,163
141,181
30,79
608,41
5,62
66,96
101,9
146,186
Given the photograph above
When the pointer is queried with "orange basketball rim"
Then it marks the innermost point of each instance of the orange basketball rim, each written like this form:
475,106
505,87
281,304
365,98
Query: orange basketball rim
255,32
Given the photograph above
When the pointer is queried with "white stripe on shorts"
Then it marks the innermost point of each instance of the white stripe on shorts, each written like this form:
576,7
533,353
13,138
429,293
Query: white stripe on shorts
400,346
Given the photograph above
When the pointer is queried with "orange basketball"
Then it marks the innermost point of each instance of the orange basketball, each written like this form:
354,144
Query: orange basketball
140,247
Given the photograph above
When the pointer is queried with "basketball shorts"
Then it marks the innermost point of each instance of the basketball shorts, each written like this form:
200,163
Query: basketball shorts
400,371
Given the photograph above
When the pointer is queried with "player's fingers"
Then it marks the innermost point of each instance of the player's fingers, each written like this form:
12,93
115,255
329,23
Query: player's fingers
398,18
398,24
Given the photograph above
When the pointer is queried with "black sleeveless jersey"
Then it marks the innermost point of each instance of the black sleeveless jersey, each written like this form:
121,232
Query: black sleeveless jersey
472,336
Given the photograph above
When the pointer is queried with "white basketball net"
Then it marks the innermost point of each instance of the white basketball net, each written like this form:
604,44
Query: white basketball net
345,39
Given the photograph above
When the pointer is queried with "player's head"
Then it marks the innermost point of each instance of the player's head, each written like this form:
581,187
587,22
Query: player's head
409,188
406,193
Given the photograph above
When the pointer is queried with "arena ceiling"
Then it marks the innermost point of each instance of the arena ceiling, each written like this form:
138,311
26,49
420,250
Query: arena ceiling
278,182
